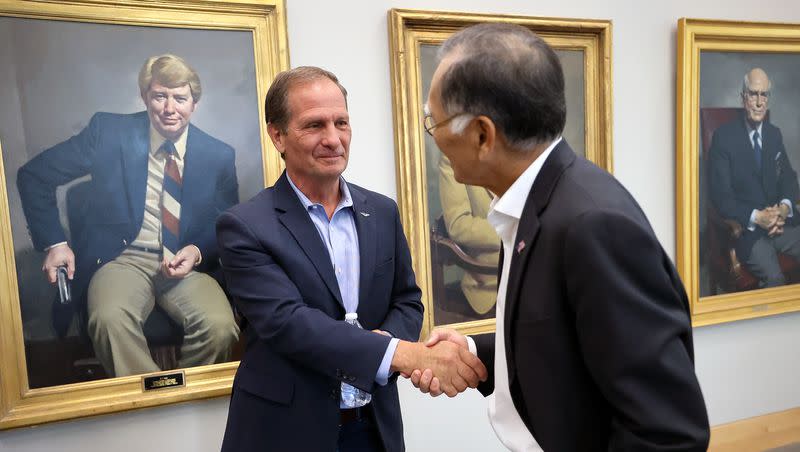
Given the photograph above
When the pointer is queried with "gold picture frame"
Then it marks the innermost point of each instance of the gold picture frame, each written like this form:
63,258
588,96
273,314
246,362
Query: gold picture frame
713,57
260,23
413,36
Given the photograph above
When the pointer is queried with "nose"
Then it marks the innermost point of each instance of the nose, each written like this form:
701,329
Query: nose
169,106
330,138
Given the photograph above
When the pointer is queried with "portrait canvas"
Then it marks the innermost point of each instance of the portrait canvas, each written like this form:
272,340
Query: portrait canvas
738,109
455,250
86,152
721,83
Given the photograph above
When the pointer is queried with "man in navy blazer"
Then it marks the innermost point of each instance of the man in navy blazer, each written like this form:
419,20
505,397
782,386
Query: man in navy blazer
593,349
300,255
118,262
752,182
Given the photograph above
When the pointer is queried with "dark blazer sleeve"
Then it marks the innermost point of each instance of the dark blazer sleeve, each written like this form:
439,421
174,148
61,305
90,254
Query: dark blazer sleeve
276,312
404,318
485,347
38,179
632,323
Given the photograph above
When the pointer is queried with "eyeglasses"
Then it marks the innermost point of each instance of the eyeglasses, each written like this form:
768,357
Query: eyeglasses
427,122
753,95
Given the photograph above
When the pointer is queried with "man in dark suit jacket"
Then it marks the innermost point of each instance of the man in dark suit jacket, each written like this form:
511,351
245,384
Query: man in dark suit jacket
298,257
752,182
121,262
593,349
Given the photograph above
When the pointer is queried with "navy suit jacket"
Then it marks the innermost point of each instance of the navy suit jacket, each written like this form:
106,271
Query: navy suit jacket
113,150
299,350
737,185
597,332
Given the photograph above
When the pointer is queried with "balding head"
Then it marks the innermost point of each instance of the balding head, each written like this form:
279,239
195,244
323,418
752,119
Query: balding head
755,95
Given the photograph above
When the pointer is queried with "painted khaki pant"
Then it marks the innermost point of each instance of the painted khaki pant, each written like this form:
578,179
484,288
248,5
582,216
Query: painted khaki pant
123,293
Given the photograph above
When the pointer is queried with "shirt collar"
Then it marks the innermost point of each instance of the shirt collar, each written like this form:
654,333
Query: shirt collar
345,201
750,130
513,200
156,140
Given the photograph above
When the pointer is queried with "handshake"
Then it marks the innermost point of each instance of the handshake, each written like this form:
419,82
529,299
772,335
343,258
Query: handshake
443,364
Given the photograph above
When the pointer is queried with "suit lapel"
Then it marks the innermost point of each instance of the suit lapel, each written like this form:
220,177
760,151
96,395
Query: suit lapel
367,241
134,160
193,166
769,174
294,217
560,158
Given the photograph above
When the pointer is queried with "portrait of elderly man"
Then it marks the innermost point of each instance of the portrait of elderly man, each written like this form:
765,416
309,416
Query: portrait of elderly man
752,182
157,185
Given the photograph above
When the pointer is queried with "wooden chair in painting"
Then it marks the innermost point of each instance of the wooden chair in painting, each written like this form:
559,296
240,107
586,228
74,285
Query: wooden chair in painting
726,272
445,252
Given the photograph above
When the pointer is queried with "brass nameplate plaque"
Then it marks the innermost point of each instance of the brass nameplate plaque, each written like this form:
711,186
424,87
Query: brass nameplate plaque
175,379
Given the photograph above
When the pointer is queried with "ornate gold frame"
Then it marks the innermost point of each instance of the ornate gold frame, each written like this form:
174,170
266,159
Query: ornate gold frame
694,36
408,29
20,405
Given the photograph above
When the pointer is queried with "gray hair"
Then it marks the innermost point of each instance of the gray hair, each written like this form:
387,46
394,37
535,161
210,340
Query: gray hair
511,75
746,80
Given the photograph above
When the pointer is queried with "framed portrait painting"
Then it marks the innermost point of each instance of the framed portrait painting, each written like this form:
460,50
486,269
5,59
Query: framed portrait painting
738,110
455,251
83,120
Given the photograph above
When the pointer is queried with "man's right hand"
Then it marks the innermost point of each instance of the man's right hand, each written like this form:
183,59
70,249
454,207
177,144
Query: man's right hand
423,379
57,256
455,367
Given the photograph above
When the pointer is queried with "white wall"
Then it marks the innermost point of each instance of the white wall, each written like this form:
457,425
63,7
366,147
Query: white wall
746,368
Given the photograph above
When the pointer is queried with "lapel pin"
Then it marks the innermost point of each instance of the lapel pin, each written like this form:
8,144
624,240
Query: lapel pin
364,214
520,246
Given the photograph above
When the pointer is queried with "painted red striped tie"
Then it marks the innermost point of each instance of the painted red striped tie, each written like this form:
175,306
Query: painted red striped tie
170,203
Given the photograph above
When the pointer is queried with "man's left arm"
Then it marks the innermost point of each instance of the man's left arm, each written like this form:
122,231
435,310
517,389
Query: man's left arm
633,327
788,190
404,317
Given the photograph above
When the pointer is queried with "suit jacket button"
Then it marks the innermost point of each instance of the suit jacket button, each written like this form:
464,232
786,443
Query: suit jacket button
99,261
124,242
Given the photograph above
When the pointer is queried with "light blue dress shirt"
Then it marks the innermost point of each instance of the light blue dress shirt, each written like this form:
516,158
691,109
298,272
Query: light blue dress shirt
340,237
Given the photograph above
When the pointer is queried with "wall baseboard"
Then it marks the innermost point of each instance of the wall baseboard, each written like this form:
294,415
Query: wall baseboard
758,433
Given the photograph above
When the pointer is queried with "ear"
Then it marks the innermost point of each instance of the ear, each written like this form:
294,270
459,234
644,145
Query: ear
484,135
276,136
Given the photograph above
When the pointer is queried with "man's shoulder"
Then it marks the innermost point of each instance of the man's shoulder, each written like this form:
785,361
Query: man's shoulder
127,120
377,199
200,137
257,207
770,129
585,187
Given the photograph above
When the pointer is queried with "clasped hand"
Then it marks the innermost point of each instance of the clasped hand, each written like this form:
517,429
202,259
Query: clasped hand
772,219
443,365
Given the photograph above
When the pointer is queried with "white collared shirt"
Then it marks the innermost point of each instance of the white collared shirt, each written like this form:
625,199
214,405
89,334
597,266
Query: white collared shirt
504,215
